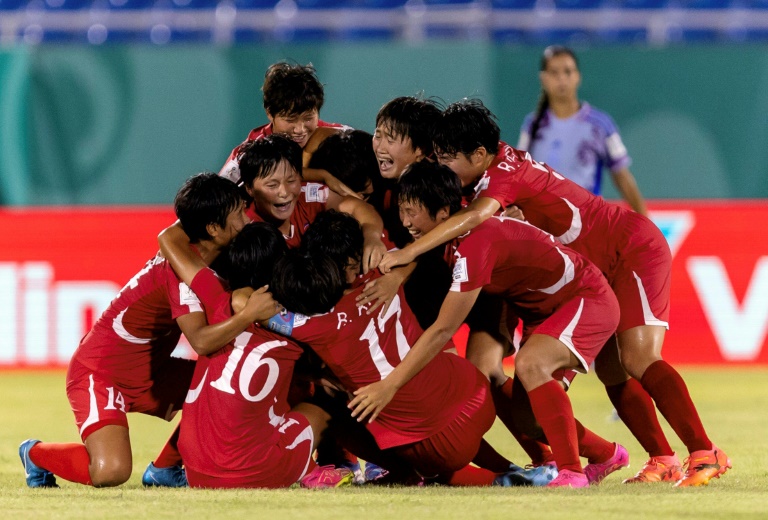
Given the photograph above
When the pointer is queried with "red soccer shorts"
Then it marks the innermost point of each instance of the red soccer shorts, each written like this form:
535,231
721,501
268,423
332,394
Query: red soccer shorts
457,444
641,279
99,399
284,464
584,324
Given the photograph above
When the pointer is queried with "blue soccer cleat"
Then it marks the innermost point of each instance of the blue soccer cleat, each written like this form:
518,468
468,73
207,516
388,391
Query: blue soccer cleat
172,477
529,476
374,472
36,476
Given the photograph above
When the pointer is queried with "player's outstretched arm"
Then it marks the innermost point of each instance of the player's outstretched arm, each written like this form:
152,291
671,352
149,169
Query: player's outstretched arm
478,211
206,339
175,247
372,225
370,400
382,290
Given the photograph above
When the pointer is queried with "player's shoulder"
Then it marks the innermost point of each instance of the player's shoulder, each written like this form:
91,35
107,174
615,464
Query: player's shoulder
596,117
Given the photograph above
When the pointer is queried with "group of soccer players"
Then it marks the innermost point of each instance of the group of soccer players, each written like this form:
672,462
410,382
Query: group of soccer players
320,277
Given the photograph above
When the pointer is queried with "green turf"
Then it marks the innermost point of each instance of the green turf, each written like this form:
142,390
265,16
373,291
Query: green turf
733,404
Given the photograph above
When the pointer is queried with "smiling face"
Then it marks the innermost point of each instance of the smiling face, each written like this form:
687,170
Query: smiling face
275,196
417,220
393,152
298,127
561,78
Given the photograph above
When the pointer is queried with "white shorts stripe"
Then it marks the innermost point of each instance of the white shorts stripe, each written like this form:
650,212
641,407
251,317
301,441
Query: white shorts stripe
567,338
648,316
93,411
306,435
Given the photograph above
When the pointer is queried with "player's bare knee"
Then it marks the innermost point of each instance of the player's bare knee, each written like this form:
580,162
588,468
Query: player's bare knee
531,370
109,473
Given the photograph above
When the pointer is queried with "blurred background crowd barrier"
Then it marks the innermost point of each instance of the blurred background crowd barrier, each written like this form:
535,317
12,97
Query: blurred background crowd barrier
656,22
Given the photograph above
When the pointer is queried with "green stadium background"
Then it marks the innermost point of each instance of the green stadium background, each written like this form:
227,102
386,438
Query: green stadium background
126,125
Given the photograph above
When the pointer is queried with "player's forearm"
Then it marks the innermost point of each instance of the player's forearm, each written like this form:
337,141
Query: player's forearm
211,338
457,225
315,175
627,186
175,247
426,348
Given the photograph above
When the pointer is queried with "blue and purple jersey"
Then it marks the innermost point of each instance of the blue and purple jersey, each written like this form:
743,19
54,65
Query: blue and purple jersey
577,147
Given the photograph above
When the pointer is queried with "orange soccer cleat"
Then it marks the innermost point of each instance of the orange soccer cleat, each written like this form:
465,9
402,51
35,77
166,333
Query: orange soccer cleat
704,465
664,468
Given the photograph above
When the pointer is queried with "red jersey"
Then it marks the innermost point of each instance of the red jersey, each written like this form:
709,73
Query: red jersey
362,349
138,331
523,265
231,168
573,215
238,395
312,201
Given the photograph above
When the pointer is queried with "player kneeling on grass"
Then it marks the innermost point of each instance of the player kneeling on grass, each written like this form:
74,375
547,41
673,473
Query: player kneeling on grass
124,363
237,429
565,303
437,420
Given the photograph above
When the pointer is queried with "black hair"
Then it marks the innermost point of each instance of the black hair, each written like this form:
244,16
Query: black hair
258,159
291,89
205,199
465,126
411,117
430,185
252,255
337,235
308,284
543,103
349,157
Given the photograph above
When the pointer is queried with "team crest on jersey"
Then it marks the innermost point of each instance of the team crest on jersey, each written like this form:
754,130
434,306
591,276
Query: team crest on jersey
314,192
460,273
187,296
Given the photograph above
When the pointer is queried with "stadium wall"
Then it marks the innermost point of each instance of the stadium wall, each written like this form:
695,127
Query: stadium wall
126,124
60,267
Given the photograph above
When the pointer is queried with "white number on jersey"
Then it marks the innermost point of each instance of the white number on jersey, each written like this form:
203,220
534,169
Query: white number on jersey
253,361
372,337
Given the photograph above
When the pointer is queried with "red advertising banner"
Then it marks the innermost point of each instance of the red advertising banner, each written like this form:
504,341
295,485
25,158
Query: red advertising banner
59,268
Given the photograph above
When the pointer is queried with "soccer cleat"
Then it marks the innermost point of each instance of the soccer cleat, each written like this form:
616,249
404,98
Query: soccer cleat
597,472
528,476
374,472
327,477
358,477
703,466
664,468
36,476
172,477
568,478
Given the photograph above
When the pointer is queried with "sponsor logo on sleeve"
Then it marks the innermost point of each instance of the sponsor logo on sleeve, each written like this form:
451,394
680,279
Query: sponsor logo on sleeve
460,273
187,296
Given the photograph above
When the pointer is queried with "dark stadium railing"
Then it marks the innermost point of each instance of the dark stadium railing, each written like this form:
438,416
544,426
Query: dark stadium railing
573,22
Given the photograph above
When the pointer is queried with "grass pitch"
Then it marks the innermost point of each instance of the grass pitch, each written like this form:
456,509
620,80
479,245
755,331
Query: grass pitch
733,404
